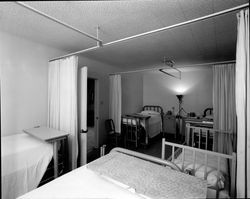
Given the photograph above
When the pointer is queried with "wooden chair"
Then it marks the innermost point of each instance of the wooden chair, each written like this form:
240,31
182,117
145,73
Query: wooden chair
113,136
131,130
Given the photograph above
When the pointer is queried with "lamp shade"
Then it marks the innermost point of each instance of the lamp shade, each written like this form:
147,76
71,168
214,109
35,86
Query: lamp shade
179,97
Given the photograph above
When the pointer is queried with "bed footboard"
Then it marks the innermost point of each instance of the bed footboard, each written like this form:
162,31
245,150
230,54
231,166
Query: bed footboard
219,156
201,137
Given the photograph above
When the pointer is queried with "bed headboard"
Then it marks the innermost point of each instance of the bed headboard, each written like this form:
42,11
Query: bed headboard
156,108
153,108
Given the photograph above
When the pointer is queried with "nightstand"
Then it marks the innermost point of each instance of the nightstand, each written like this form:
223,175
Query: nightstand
169,124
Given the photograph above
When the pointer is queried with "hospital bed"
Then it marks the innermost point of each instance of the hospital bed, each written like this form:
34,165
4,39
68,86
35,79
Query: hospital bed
218,169
155,121
24,160
150,119
123,174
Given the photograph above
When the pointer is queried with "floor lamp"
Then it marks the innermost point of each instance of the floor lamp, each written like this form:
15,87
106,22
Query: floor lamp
180,98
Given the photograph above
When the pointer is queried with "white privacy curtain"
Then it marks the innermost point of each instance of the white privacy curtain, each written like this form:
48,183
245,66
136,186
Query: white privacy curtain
224,112
243,105
62,101
115,101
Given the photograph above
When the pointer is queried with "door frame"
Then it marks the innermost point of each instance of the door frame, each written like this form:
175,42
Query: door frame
97,117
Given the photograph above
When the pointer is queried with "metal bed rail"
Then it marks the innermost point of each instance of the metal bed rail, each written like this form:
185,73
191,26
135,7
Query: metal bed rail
147,158
219,156
207,134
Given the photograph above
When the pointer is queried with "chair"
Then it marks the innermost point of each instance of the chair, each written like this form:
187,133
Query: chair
113,136
131,130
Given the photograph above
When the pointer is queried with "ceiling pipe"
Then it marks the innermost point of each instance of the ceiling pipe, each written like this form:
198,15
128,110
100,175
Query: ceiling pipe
157,30
76,53
59,22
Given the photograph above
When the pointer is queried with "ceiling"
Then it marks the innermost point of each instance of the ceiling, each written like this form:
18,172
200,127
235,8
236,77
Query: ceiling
206,41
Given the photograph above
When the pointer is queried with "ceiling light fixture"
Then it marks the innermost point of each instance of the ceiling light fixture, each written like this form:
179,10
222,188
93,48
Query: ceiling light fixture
171,71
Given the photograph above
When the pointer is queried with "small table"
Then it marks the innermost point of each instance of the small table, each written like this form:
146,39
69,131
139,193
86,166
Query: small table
169,125
143,118
50,135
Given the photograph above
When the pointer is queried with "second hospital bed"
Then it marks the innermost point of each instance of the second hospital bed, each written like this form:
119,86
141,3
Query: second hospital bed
123,174
24,160
149,119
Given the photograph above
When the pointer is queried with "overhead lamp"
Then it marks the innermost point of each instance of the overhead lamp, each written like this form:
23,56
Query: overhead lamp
170,64
180,98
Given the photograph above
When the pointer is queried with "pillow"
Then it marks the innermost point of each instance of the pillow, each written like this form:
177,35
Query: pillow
214,177
125,121
150,112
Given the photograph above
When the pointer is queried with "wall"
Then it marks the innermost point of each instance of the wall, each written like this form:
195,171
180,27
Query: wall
24,77
132,93
24,81
195,84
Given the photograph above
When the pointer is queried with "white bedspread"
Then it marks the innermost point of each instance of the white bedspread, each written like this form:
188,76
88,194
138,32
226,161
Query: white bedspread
24,161
154,123
81,183
91,181
149,179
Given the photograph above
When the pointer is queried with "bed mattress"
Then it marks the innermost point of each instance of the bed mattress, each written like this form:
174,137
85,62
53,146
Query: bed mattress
24,161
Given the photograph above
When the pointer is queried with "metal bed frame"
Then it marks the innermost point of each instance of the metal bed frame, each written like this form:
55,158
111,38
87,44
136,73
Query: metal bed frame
132,126
154,108
192,132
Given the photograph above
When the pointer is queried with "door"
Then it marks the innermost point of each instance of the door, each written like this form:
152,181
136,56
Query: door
92,113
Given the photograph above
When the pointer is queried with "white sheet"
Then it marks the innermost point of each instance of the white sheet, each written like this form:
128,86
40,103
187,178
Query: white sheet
82,183
24,161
